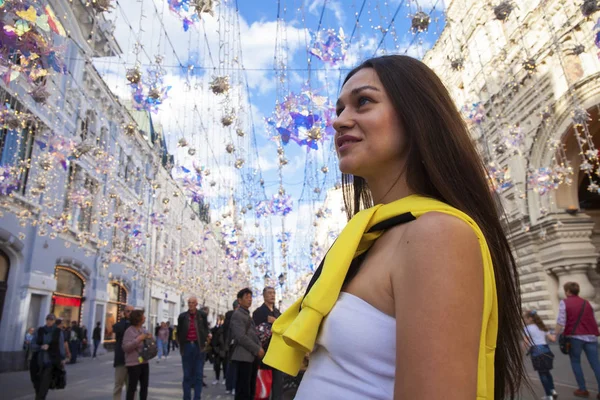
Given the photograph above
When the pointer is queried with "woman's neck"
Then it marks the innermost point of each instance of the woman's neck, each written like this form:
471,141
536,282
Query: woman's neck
388,188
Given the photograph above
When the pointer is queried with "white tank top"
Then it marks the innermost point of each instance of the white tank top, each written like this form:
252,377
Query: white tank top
355,356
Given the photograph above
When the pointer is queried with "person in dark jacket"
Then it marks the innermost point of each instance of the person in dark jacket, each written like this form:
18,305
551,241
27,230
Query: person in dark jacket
170,337
231,373
50,355
247,350
120,370
74,339
96,336
267,314
219,349
192,334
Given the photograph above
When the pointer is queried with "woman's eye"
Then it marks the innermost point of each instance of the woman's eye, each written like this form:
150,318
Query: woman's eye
362,101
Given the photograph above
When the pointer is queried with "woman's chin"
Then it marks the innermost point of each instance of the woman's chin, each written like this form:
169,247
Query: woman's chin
348,167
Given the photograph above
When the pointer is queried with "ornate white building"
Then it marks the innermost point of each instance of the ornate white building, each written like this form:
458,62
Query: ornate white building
96,220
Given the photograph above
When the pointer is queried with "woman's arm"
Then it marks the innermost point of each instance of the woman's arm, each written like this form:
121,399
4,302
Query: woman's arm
438,297
131,340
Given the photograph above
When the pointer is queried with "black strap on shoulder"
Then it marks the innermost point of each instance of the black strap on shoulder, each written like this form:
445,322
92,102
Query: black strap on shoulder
381,226
579,318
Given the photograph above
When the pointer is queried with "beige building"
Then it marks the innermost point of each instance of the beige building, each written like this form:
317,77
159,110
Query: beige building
532,73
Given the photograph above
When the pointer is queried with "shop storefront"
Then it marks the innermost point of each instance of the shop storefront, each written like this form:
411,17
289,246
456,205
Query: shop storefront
67,300
117,300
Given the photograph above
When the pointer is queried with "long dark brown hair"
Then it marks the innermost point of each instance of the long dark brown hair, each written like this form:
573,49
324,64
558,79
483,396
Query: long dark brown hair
442,163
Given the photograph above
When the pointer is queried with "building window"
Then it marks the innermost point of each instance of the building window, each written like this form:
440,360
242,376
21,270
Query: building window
68,297
4,268
80,199
117,300
16,145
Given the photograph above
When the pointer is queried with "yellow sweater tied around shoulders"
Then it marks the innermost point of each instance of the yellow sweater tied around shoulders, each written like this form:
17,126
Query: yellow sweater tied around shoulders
295,331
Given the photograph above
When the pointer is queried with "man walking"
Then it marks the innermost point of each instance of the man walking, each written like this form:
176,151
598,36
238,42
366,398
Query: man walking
267,314
192,334
231,374
120,369
50,346
74,341
96,335
170,340
576,319
247,350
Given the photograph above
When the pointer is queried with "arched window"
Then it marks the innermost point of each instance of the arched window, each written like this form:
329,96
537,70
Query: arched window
117,300
4,268
67,299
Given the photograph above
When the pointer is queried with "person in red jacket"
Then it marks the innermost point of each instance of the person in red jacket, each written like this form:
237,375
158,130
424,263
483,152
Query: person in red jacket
583,335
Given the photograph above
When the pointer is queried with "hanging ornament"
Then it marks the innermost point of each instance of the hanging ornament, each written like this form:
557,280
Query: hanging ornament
203,6
240,132
420,22
227,120
154,93
503,10
134,75
239,163
230,148
40,94
129,129
182,142
220,84
329,46
529,65
589,7
324,169
580,116
101,5
457,64
578,50
191,151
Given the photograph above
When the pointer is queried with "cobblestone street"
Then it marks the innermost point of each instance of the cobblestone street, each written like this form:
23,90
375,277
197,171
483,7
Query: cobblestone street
93,380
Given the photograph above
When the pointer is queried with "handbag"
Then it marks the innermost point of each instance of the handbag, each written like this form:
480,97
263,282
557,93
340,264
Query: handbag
543,361
59,377
264,381
564,342
149,351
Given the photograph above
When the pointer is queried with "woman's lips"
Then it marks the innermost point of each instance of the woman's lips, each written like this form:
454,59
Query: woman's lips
346,141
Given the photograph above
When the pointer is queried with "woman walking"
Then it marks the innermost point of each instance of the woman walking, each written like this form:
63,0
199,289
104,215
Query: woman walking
418,298
162,341
542,357
219,349
138,369
96,335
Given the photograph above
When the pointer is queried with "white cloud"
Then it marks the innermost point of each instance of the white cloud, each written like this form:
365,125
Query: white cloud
316,6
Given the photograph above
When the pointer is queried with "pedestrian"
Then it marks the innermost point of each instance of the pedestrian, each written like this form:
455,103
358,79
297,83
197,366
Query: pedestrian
96,335
192,334
219,349
119,361
536,346
231,373
264,317
162,341
84,341
50,355
138,369
577,321
66,332
27,344
170,337
156,329
74,341
247,350
413,182
174,338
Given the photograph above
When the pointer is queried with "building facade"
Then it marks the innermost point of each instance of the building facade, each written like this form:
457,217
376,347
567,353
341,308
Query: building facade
94,220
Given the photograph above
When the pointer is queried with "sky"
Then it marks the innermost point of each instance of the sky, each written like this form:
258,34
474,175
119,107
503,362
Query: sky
246,41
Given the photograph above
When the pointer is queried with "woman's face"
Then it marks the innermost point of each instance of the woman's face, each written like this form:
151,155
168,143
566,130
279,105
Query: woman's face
369,135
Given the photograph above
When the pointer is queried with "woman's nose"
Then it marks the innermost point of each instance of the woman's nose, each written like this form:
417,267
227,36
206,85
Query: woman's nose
343,121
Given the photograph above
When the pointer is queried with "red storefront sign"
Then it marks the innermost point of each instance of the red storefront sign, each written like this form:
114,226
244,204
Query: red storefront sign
67,301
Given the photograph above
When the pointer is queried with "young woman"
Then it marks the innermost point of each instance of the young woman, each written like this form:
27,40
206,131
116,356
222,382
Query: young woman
162,341
542,357
138,369
419,296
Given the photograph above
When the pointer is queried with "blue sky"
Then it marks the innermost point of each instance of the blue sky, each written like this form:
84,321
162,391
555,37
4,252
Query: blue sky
242,45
